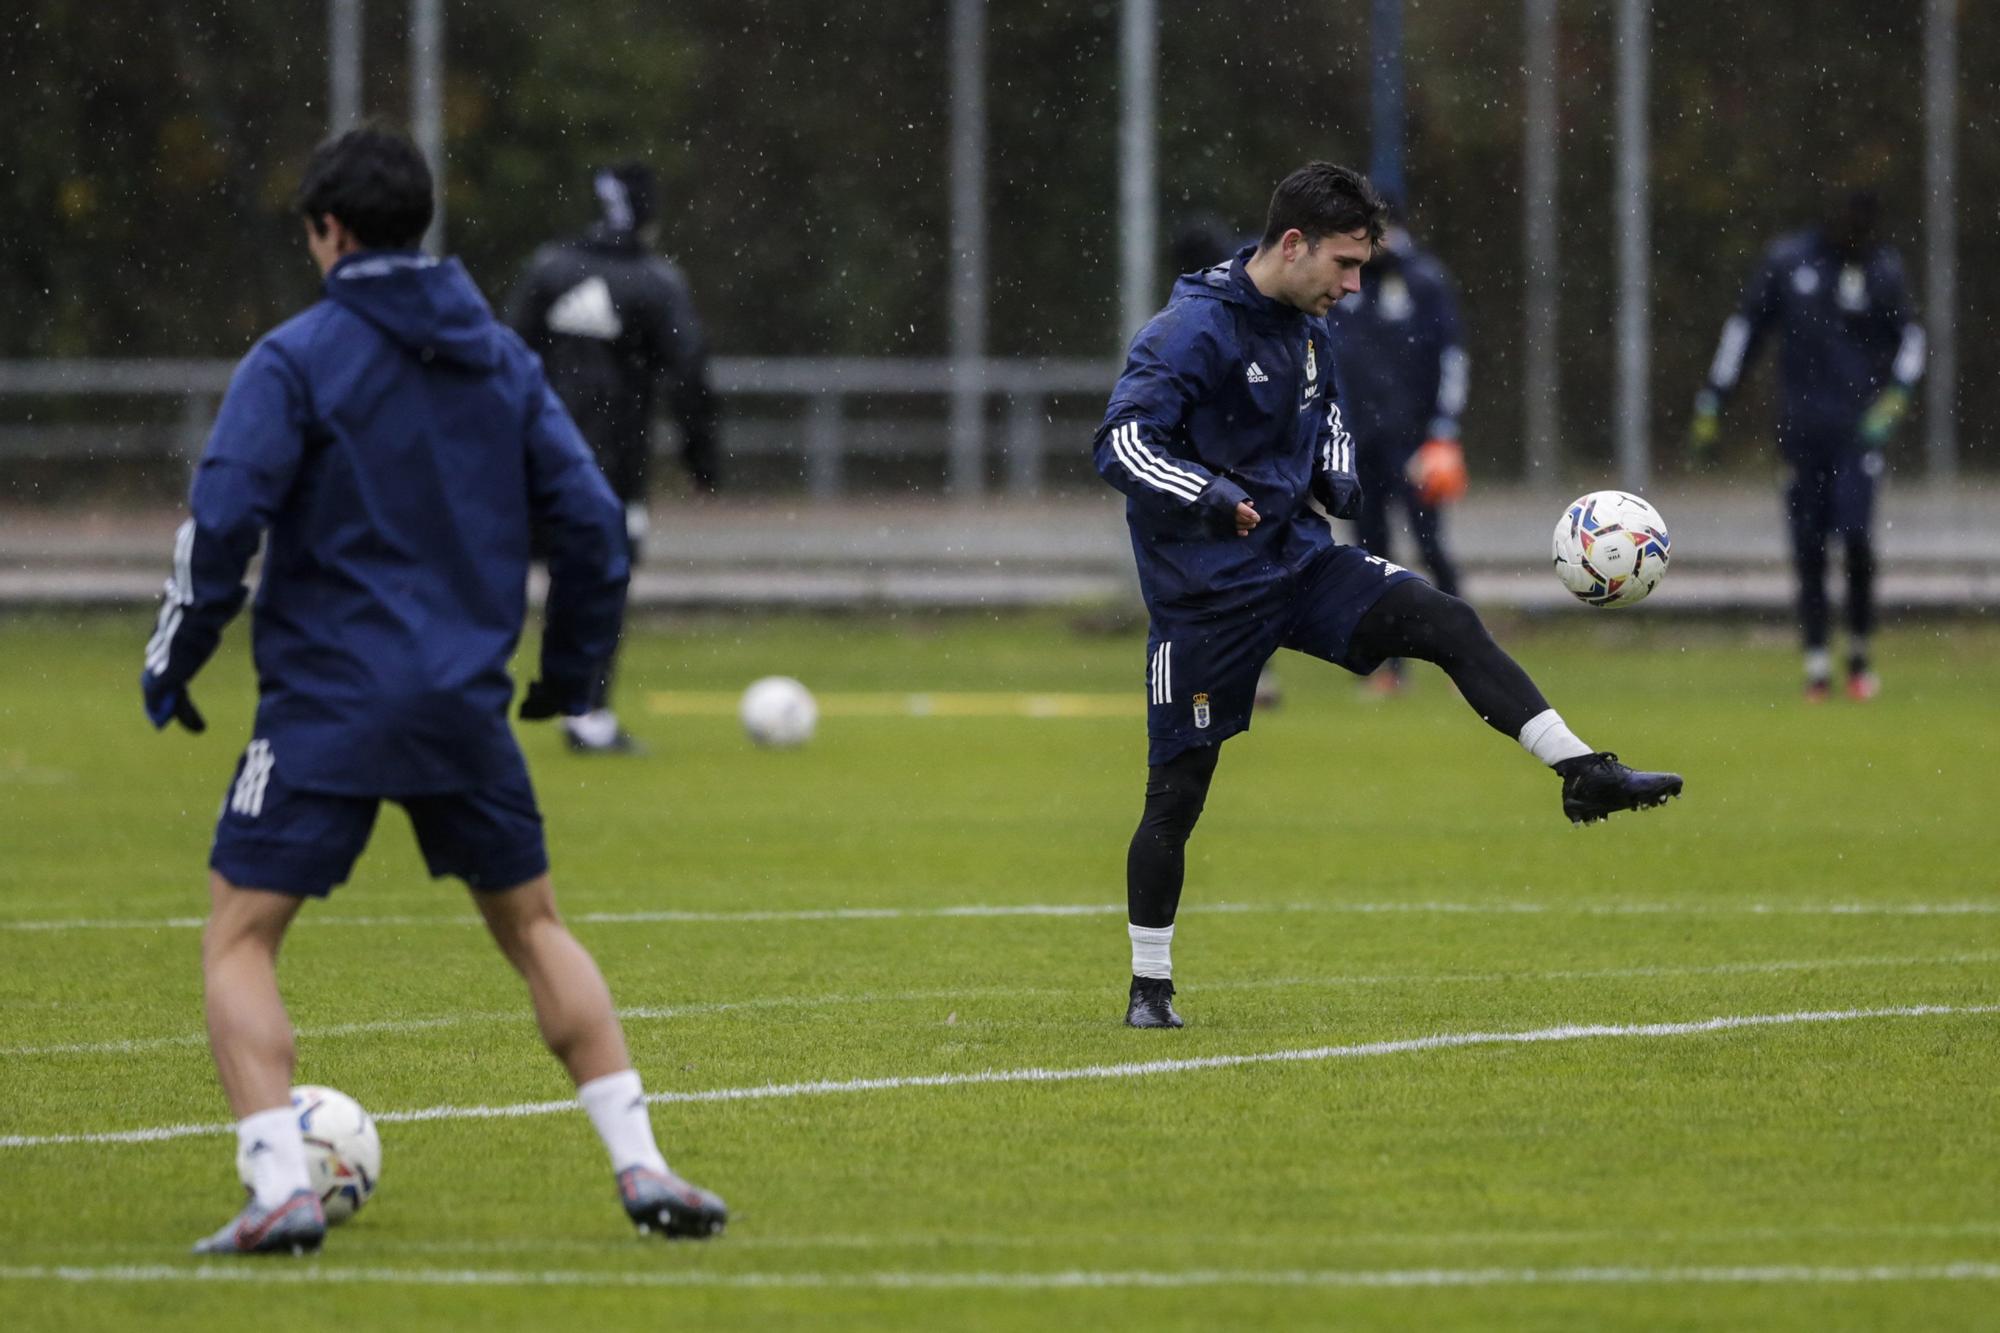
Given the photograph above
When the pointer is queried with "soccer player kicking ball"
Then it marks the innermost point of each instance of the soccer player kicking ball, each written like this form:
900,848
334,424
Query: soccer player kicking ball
1224,423
396,444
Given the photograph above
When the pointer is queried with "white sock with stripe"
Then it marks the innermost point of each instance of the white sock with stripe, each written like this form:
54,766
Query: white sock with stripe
617,1106
276,1151
1550,740
1152,951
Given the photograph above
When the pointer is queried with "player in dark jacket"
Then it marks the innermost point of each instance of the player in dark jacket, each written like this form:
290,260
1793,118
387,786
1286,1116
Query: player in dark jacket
1224,425
615,324
393,445
1402,368
1850,353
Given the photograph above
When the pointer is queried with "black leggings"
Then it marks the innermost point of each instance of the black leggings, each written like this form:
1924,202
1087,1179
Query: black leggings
1412,619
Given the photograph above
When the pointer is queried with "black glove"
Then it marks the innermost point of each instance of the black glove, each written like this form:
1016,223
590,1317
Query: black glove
1216,506
166,704
544,700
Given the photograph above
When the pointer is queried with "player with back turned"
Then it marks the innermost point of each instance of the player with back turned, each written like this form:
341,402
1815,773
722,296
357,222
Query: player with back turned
1851,351
1224,425
396,445
615,325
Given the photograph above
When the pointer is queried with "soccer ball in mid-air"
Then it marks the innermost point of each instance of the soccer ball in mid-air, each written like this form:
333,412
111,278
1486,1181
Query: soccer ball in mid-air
779,712
1611,548
343,1152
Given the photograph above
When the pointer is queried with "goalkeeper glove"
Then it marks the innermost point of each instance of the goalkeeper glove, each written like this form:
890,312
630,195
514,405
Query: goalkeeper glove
1886,413
1705,428
1437,470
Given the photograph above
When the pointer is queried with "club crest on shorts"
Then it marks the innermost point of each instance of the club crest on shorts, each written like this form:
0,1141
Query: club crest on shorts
1201,713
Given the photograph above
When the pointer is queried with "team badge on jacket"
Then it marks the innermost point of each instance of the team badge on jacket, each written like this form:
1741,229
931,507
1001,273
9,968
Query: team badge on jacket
1201,713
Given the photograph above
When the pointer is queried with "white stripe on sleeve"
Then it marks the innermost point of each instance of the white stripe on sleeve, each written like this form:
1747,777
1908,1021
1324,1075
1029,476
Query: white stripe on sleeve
1148,467
1728,363
1453,372
1909,366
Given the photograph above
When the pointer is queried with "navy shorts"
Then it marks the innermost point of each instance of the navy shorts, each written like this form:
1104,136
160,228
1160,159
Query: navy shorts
272,835
1833,497
1201,673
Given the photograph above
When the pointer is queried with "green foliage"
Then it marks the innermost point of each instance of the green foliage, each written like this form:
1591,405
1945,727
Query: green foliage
805,151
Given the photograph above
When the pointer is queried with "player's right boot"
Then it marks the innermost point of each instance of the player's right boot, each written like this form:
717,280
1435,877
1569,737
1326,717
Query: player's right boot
296,1226
1152,1004
661,1201
1596,785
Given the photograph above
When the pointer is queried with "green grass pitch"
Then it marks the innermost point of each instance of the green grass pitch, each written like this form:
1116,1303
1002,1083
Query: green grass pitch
1368,874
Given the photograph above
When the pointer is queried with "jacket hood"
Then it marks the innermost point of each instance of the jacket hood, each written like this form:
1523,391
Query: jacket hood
430,307
1228,282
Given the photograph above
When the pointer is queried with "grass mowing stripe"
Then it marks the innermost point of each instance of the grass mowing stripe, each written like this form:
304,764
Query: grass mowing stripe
1037,1074
653,1013
1085,909
315,1275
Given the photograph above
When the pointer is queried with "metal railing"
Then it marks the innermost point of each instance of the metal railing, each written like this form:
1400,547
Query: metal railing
824,428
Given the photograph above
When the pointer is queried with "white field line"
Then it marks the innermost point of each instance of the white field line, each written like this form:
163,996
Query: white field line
975,910
655,1013
1036,1074
314,1274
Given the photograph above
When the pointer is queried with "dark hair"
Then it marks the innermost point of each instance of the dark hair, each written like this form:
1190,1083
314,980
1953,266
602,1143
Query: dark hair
375,182
625,195
1321,199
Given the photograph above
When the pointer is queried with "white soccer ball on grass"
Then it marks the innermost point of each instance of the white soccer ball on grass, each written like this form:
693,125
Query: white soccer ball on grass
343,1152
779,712
1611,548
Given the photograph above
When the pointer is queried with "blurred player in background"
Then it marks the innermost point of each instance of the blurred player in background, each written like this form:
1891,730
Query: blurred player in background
1850,353
397,446
1402,372
1221,429
614,324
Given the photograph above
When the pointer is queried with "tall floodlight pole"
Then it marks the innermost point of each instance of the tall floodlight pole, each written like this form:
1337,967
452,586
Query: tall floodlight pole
968,247
1385,97
1941,237
343,65
1541,404
427,102
1138,186
1631,207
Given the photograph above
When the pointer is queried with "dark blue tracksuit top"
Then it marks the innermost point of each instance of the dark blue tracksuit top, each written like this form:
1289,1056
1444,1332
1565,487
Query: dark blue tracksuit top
1227,395
1846,333
397,444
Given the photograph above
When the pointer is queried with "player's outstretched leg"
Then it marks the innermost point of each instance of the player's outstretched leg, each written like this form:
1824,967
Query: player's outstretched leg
573,1010
1413,619
1155,867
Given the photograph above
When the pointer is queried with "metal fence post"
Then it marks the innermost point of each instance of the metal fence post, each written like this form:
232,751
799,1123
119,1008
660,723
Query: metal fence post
823,446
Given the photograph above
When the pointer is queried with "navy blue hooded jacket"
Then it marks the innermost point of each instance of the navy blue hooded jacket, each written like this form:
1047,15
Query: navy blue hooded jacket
1401,358
1227,395
1847,333
397,444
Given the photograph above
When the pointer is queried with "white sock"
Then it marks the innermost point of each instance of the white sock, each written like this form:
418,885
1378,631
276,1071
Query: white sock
1152,951
617,1106
1550,740
1819,663
597,727
276,1152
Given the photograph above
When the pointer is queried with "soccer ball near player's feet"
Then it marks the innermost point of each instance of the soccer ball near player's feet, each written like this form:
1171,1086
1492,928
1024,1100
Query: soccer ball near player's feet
1611,548
779,712
343,1152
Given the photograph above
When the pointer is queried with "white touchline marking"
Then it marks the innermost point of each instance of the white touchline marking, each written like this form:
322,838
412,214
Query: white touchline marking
655,1013
1036,1074
316,1274
976,910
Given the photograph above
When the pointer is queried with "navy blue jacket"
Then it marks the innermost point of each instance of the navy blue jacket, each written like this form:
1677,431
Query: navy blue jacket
1846,333
1227,396
397,444
1401,357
